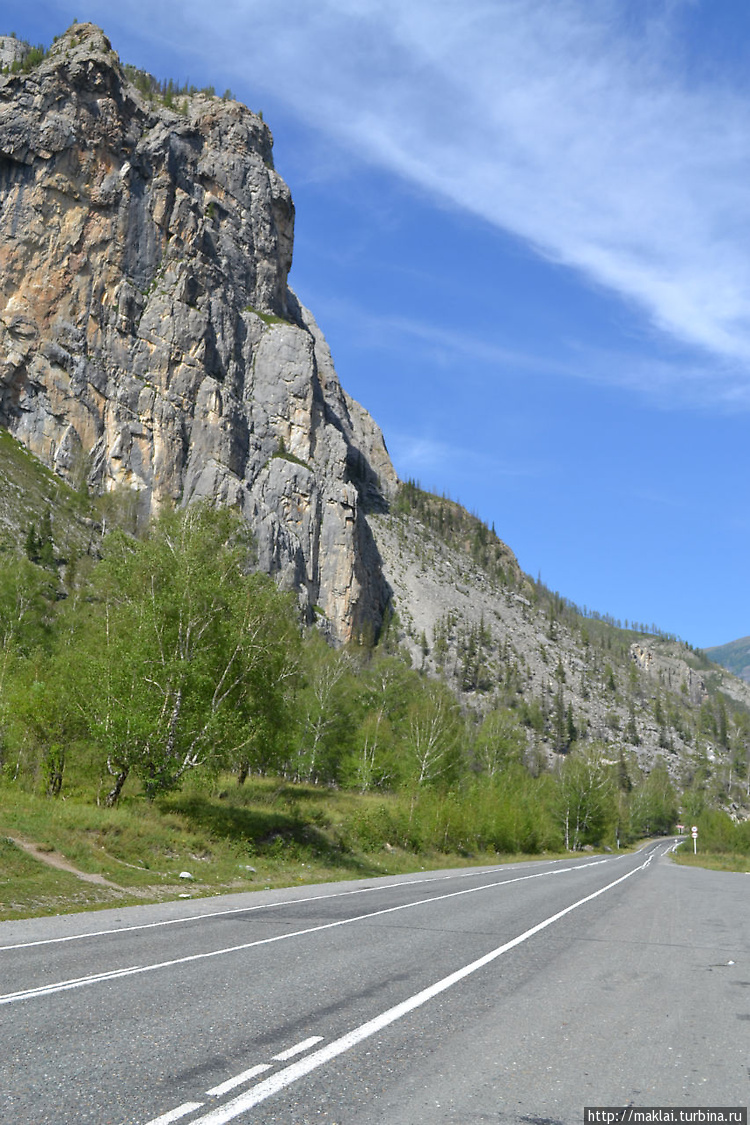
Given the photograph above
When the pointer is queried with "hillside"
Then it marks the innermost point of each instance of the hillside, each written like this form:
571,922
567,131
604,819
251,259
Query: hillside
734,656
469,614
30,494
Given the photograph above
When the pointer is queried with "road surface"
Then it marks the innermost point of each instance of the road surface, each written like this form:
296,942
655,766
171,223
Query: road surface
509,994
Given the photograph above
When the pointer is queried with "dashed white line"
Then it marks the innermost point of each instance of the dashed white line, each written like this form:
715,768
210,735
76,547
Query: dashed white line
176,1114
298,1048
239,1080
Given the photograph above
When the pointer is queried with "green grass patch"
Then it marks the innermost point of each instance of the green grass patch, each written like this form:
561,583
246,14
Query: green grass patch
29,887
267,833
713,861
267,318
285,455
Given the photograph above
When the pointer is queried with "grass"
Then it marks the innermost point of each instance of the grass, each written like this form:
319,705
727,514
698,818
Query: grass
29,888
262,835
27,488
267,318
713,861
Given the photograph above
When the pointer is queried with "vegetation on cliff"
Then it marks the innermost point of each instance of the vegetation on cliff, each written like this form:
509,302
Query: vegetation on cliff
164,673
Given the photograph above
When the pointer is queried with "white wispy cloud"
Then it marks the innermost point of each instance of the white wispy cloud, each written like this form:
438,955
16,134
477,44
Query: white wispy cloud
722,384
579,127
425,458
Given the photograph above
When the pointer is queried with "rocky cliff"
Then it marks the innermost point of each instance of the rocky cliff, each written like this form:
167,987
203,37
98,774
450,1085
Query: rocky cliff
148,336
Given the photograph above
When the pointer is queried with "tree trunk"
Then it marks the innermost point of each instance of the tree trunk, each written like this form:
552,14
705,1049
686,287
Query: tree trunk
114,794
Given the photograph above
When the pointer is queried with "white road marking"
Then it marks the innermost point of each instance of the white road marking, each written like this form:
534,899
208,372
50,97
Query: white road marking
64,985
176,1114
47,990
234,910
262,906
239,1079
298,1048
283,1078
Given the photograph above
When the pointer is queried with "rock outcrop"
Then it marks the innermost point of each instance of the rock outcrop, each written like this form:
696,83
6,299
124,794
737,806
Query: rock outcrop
148,336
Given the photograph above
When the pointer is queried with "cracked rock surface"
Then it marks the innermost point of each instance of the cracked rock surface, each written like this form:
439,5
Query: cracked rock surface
148,336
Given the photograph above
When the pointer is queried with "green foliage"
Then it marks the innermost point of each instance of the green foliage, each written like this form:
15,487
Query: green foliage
500,743
168,660
510,814
723,844
166,90
184,656
39,547
46,719
432,739
322,706
266,317
285,455
654,804
31,60
585,797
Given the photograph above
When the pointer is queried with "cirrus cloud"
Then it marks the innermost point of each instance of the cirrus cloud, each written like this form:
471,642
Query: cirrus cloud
582,129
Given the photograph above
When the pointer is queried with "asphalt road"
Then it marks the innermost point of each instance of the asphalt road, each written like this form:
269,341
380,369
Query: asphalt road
506,994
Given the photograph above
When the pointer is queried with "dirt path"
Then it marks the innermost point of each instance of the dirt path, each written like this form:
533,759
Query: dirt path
54,859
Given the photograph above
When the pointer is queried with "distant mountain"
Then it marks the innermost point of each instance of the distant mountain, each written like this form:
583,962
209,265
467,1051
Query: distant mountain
735,656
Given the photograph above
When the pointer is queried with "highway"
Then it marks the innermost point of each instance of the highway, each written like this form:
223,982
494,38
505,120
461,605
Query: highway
518,993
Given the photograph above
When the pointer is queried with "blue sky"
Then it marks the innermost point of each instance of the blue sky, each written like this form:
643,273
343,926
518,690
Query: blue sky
524,227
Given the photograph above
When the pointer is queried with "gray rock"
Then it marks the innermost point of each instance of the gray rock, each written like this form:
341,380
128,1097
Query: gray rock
147,328
12,51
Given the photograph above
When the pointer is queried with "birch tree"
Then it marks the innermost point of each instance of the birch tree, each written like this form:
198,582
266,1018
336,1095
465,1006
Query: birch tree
585,797
500,742
432,736
188,654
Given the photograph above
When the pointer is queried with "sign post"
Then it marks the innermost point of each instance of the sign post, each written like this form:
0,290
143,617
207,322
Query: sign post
694,833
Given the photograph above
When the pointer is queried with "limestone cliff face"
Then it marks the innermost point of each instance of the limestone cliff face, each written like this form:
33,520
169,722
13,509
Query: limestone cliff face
148,337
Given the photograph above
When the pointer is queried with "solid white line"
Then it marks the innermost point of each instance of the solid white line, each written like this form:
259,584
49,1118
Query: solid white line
64,985
238,1079
47,990
298,1048
293,1073
175,1114
270,905
247,909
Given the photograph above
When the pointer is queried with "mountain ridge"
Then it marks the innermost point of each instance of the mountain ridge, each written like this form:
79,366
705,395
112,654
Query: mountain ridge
734,655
